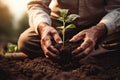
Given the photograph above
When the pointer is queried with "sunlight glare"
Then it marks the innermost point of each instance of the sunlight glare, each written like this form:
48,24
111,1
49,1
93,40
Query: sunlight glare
17,7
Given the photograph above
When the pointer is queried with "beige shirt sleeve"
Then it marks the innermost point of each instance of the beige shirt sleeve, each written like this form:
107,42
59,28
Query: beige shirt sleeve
38,12
112,19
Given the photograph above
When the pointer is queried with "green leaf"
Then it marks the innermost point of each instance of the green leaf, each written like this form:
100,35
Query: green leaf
12,48
15,48
63,12
71,18
61,19
60,27
10,45
71,26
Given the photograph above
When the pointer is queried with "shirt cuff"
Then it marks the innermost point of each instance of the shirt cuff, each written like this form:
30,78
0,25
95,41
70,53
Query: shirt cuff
111,21
41,18
109,25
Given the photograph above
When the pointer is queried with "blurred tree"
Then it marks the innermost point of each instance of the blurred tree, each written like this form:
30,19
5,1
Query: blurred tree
6,26
9,28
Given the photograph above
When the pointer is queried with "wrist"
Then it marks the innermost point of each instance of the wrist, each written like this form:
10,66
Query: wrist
100,29
41,26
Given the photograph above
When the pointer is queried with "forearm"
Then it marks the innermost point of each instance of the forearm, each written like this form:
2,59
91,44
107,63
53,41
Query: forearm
38,13
100,30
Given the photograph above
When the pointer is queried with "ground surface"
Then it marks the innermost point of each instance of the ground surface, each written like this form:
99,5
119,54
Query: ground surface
102,67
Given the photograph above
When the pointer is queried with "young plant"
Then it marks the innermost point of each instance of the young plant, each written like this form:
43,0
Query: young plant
10,48
65,18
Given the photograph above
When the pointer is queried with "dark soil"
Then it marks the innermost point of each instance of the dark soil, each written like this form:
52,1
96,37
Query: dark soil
66,51
102,67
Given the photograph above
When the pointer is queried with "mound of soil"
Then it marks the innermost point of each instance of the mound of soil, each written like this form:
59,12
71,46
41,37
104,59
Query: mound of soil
101,67
66,51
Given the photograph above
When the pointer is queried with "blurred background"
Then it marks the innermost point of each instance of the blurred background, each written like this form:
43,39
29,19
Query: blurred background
13,20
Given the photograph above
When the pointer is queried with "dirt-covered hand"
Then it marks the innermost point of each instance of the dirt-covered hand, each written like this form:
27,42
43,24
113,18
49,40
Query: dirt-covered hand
48,33
89,37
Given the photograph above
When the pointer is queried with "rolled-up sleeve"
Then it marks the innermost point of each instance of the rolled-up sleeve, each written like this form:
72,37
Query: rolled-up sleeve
112,19
38,12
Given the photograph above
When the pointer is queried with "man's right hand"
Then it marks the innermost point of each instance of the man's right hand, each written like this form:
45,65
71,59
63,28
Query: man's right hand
48,33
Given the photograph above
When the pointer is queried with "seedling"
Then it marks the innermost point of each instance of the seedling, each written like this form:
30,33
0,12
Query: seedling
65,18
10,48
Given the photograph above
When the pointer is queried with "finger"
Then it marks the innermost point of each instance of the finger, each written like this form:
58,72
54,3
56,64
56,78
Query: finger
88,50
84,53
56,37
45,44
45,40
44,50
52,56
79,56
77,37
48,44
77,51
83,46
53,49
49,54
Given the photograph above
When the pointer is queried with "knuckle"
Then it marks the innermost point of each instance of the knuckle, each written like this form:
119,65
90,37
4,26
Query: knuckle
57,39
75,38
89,41
80,48
83,47
54,32
42,40
48,47
47,53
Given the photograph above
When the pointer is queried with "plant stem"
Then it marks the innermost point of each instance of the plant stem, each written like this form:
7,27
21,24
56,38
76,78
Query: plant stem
63,33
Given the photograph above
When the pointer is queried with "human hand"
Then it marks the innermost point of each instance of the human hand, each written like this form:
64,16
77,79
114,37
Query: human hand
90,36
47,34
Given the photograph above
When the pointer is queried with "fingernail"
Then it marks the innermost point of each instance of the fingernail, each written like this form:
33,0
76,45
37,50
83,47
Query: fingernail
70,40
60,42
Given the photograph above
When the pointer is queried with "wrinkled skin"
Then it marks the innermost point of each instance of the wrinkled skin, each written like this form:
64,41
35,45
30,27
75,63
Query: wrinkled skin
48,33
90,37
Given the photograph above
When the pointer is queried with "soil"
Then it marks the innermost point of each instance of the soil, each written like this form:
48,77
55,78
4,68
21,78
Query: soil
66,51
101,67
